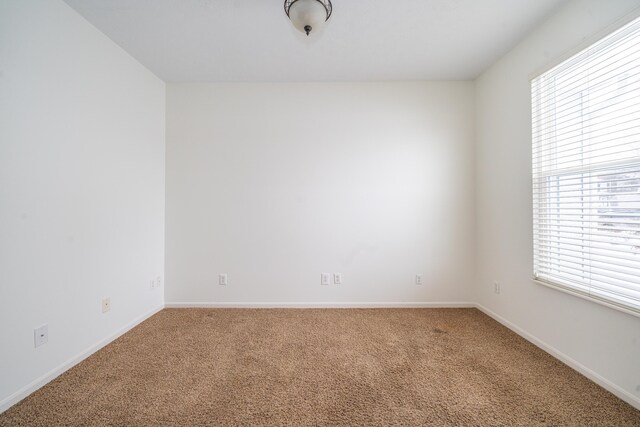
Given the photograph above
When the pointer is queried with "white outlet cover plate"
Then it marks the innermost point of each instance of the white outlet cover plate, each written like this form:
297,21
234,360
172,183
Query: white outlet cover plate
324,278
41,335
106,304
222,279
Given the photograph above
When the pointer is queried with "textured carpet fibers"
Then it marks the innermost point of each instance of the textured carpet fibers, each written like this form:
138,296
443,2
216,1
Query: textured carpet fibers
321,367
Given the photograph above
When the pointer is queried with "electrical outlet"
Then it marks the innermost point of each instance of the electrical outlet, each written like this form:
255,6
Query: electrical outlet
324,278
106,304
496,287
418,279
155,283
41,335
337,278
222,279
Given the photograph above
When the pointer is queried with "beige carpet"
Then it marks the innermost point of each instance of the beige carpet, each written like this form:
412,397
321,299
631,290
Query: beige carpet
321,367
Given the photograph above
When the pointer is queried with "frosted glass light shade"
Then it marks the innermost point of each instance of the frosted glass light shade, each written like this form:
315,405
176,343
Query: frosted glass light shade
308,15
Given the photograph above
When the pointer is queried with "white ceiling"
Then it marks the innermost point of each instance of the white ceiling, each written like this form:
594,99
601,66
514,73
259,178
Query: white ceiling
365,40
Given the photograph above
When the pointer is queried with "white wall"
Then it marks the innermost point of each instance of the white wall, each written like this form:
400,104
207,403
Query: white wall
81,190
275,183
600,341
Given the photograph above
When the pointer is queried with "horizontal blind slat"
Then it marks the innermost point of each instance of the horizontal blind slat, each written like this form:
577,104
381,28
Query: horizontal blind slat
621,259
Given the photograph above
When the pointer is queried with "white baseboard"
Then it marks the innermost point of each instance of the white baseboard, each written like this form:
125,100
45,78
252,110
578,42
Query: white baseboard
593,376
51,375
320,305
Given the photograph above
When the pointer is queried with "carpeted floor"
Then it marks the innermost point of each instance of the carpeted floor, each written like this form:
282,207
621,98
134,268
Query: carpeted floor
321,367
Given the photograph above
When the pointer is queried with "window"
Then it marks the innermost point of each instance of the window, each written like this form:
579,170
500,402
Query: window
586,171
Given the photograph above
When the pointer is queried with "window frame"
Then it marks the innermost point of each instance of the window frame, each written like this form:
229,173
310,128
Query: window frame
566,60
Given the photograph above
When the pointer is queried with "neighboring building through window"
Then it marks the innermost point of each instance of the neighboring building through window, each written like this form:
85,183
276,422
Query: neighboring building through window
586,171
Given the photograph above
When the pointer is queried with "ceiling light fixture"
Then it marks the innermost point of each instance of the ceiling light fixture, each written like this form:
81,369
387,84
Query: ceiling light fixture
308,15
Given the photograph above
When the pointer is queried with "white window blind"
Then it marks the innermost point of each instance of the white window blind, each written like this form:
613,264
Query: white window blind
586,171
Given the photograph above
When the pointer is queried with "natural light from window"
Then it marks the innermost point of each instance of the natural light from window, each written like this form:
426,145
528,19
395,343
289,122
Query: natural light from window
586,171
